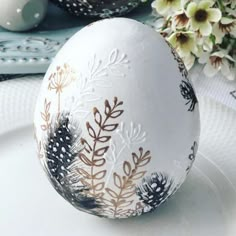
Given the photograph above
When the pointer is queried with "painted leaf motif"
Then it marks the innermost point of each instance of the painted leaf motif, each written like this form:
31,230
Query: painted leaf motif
116,114
107,108
138,175
101,151
84,173
47,105
119,103
110,127
113,56
99,195
112,193
144,161
97,116
84,182
85,160
43,116
86,145
99,175
108,202
147,153
128,194
99,162
103,139
99,186
93,151
135,158
115,101
117,180
129,186
125,203
126,212
127,168
90,130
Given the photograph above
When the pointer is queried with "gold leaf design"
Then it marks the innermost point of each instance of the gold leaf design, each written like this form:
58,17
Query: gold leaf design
117,180
112,193
45,115
85,160
59,80
84,173
99,175
127,168
125,184
101,151
94,150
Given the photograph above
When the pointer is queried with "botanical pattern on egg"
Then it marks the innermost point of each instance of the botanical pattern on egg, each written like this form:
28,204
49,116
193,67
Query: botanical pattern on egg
186,88
188,94
84,169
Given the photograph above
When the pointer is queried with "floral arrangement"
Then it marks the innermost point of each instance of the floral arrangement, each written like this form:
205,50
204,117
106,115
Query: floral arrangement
202,31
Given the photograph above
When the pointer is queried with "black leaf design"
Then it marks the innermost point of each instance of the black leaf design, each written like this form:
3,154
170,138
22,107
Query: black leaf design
188,94
154,190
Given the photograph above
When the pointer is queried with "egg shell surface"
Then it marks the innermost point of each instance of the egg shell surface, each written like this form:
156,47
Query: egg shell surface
117,120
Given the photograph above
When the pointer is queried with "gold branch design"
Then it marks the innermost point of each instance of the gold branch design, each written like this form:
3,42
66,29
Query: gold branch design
93,155
125,184
59,80
45,115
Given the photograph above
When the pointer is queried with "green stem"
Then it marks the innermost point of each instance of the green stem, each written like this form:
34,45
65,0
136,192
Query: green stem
221,6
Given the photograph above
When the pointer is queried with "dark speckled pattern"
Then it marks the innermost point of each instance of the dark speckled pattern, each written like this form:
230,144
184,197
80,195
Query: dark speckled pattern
97,8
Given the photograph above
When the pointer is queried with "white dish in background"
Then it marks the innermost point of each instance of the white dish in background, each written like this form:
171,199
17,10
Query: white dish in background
33,51
205,205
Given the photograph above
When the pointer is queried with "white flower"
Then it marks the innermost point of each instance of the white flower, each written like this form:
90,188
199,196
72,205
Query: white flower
184,42
158,24
216,62
231,11
201,15
189,61
232,3
166,7
180,20
204,44
223,27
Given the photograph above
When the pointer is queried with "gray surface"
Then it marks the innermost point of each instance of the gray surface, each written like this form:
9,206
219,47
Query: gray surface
32,52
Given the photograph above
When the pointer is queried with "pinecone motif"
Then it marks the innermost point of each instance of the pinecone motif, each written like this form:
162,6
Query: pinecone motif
62,148
188,94
154,190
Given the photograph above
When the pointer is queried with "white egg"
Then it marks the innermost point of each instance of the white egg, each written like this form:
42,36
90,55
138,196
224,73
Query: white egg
22,15
117,120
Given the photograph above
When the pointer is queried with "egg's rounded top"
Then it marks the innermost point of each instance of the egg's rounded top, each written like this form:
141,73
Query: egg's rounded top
117,109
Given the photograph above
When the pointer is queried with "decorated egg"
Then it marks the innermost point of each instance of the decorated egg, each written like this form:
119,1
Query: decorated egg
98,8
117,120
21,15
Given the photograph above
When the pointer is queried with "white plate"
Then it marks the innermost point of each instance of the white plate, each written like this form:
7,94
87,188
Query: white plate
205,205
